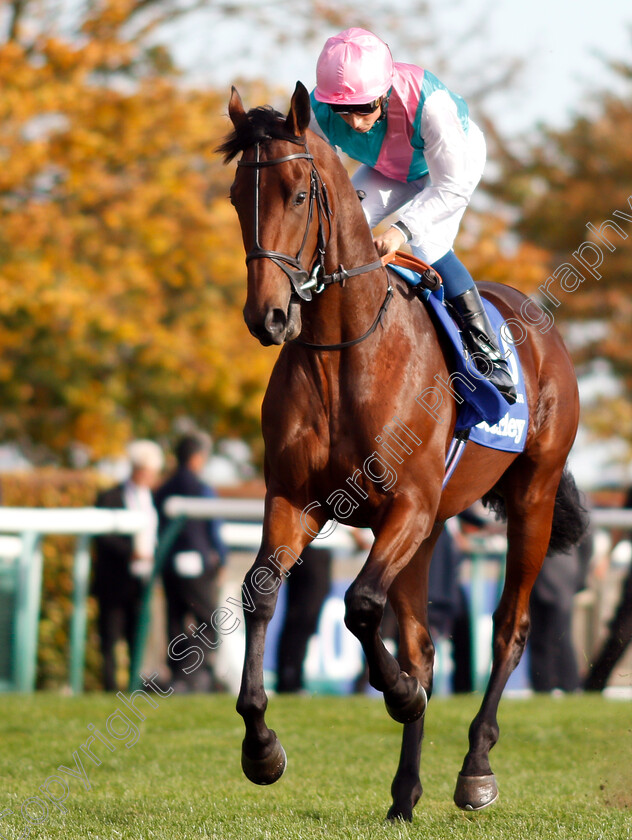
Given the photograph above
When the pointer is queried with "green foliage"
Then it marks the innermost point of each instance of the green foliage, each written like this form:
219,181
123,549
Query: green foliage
51,489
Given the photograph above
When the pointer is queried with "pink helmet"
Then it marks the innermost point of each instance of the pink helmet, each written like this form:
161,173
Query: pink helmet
354,67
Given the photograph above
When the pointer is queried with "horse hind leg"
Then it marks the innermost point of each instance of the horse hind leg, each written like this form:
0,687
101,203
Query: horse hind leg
530,498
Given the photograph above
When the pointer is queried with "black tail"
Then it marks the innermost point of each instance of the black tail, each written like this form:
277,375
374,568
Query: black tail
570,517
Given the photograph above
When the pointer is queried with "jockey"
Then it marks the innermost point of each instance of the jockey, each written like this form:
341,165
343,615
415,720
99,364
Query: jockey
421,155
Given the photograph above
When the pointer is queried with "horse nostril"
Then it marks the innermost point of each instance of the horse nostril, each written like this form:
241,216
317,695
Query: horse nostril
276,321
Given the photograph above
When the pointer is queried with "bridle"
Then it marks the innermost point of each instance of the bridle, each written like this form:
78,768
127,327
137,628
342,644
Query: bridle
303,282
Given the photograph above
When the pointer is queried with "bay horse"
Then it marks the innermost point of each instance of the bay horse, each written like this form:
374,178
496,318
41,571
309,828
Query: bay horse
354,358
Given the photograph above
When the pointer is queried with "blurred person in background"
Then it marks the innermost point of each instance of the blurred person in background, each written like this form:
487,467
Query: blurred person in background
553,663
124,563
192,567
448,610
620,634
307,589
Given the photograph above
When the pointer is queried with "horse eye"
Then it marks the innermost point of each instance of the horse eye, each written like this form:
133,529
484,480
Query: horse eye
300,198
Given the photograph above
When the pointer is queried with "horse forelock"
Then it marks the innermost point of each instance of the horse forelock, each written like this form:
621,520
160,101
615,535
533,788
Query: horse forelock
261,125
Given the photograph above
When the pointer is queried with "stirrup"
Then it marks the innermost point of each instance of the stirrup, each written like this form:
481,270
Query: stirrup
501,379
499,376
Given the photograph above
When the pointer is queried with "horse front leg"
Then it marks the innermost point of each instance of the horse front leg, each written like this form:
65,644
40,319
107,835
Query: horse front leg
400,534
263,758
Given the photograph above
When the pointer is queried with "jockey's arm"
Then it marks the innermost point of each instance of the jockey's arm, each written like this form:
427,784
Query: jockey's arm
446,153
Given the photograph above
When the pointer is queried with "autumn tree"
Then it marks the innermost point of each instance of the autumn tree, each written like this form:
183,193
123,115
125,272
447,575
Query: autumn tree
121,265
571,192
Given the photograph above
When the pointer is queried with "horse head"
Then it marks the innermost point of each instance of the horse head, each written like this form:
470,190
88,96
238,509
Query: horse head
278,195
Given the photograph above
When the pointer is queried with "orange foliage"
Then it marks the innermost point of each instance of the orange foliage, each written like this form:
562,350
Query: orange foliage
121,266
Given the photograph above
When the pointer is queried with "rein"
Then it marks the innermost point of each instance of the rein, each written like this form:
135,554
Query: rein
317,279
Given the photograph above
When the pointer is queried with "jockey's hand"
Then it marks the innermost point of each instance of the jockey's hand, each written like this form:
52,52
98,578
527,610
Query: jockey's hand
389,241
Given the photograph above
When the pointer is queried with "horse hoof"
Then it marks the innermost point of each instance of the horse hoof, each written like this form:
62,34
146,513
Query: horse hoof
401,814
267,770
413,709
473,793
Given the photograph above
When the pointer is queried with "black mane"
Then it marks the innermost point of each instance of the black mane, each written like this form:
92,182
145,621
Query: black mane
261,124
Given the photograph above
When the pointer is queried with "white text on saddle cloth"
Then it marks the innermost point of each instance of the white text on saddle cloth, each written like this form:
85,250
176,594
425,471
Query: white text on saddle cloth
510,427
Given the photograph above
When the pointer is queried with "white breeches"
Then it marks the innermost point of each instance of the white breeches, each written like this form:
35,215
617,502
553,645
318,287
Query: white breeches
442,209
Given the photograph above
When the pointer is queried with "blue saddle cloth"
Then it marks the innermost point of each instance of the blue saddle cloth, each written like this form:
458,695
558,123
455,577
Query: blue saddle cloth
484,411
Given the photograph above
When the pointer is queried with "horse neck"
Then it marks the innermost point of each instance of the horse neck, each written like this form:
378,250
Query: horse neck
341,313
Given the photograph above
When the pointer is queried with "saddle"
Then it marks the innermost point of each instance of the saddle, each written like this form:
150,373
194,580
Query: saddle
484,415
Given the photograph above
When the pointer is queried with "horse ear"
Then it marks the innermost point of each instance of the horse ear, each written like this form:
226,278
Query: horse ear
236,110
300,111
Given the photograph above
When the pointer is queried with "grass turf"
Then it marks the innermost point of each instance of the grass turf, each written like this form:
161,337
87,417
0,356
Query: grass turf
564,769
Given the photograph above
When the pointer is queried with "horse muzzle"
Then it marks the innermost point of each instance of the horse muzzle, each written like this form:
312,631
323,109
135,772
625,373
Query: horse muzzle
277,325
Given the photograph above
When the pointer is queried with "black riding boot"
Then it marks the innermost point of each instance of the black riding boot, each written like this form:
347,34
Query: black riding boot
479,338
